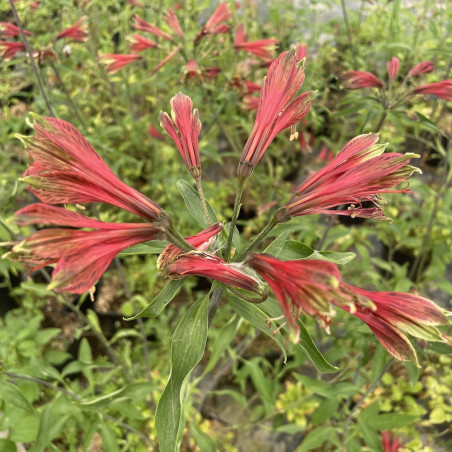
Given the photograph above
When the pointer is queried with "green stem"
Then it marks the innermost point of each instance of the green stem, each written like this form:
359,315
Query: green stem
235,214
258,239
381,122
176,239
349,32
32,60
203,199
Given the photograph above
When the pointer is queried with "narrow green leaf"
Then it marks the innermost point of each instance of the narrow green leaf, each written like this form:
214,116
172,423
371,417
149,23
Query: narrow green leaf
153,247
156,306
370,435
203,441
316,438
109,441
326,389
257,317
194,205
327,408
10,393
187,348
277,245
272,308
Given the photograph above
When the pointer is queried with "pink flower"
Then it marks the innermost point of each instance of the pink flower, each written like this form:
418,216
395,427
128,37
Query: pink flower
171,19
205,264
251,87
153,132
140,43
360,172
392,315
192,70
441,89
263,48
388,443
81,256
165,60
65,169
278,108
421,68
115,61
10,48
302,51
313,286
188,129
250,103
77,32
141,25
8,30
393,68
214,24
361,79
200,241
135,3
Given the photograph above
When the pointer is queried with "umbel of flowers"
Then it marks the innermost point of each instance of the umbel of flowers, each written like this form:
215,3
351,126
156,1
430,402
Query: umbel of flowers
66,170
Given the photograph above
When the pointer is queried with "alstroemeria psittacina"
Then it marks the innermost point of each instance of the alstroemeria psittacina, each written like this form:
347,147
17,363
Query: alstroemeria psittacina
360,172
442,89
314,286
65,169
214,24
278,108
262,48
361,79
188,129
81,256
77,32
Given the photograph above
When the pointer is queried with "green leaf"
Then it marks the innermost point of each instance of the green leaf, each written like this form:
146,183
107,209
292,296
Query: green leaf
6,445
334,256
370,435
326,389
10,393
273,309
390,421
156,306
194,205
316,438
109,441
203,441
153,247
257,317
187,348
277,245
327,408
293,250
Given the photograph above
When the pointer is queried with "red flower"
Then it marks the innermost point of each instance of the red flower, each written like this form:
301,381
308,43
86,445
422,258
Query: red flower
81,256
200,241
188,129
358,173
441,89
421,68
361,79
300,286
278,109
192,70
140,43
165,60
250,103
263,48
391,315
142,25
214,24
393,68
10,48
65,169
313,286
251,87
211,72
205,264
153,132
171,19
8,30
115,61
389,444
135,3
77,32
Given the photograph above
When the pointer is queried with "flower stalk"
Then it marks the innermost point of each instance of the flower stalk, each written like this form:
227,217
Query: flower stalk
235,214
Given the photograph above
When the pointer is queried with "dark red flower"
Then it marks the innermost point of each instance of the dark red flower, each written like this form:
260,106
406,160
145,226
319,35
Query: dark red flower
65,169
360,172
153,132
211,72
10,48
389,443
361,79
441,89
81,256
140,43
192,70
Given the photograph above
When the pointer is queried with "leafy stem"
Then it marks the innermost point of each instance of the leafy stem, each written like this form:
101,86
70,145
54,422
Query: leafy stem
235,214
203,199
